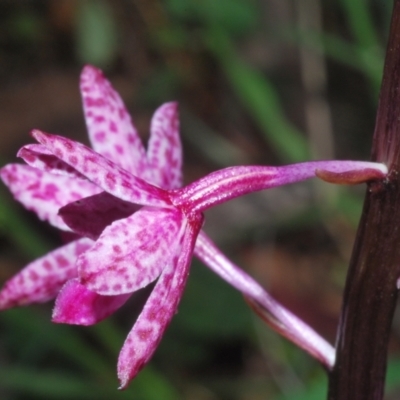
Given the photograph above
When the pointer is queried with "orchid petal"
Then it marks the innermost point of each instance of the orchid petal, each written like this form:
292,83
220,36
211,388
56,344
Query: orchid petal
77,305
102,172
43,192
41,280
37,156
277,316
90,216
109,124
164,153
131,253
158,311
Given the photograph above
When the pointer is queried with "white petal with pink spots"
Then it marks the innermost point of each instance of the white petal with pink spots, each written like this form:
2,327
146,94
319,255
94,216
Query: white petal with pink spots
109,124
132,252
42,279
43,192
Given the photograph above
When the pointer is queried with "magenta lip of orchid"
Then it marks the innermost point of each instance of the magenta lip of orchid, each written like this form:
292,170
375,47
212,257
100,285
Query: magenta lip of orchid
137,224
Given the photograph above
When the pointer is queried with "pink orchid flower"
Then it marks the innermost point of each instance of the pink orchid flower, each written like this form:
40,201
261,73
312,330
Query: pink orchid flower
136,224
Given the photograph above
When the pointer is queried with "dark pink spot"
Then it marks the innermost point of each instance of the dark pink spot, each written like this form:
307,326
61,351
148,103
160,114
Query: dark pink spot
62,261
131,138
91,158
131,353
68,145
152,314
34,186
50,190
33,276
90,102
110,179
113,127
100,136
144,334
47,265
104,288
117,287
119,149
116,249
122,113
73,160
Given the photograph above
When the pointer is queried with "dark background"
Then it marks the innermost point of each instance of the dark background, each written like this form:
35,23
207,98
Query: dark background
258,82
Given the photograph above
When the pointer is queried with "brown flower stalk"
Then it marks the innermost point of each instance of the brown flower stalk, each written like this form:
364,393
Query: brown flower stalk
370,293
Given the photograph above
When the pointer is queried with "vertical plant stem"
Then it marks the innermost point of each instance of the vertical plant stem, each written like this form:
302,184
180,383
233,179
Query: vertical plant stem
370,293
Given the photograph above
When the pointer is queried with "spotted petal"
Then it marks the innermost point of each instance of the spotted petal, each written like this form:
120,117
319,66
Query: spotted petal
77,305
43,192
132,252
41,280
109,124
164,152
102,172
37,156
158,311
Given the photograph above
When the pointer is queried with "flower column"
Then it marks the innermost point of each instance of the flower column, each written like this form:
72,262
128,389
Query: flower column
371,292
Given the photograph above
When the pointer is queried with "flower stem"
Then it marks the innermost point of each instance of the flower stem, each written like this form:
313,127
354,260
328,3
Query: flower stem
370,293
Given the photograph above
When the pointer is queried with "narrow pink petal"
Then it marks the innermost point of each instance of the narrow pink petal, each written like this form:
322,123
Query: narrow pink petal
43,192
132,252
164,152
41,280
158,311
90,216
77,305
109,124
102,172
37,156
277,316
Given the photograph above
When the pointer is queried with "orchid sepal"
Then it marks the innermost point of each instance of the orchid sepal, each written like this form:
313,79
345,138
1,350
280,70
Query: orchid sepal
102,172
229,183
277,316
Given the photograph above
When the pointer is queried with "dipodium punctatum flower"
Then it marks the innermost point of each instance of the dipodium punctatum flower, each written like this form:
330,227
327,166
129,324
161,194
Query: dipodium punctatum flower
136,223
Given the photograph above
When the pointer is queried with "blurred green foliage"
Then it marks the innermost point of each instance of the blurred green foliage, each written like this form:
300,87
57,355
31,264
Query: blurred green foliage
96,33
40,360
